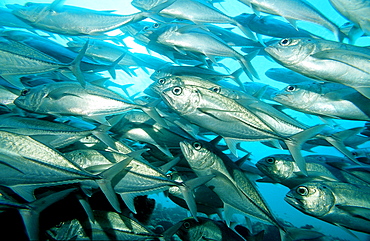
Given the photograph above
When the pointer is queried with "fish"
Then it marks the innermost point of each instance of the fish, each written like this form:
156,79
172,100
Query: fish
325,60
56,134
196,11
182,39
71,20
233,121
287,76
70,98
302,11
236,191
205,229
342,204
281,168
20,59
325,99
269,26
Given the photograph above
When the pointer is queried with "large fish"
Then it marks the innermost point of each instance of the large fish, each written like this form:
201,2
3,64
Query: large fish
341,204
230,183
20,59
281,168
70,98
325,60
293,10
325,99
196,11
181,39
237,122
71,20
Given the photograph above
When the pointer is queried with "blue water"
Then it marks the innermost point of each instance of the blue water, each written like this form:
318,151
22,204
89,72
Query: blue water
274,194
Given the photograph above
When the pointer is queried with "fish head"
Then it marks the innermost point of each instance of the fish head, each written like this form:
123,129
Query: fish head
300,96
197,154
277,167
32,12
313,198
32,98
191,229
291,51
165,83
147,5
182,99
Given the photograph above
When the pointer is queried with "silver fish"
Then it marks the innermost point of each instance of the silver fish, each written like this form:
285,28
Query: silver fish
196,11
70,98
302,11
325,60
282,169
181,39
325,99
206,229
234,122
230,184
71,20
341,204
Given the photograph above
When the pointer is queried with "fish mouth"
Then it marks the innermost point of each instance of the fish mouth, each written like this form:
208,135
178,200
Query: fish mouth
185,148
289,198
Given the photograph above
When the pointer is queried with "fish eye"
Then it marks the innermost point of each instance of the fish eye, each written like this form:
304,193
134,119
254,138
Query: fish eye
270,160
156,25
197,146
216,89
285,42
303,191
291,88
25,92
186,225
162,81
177,90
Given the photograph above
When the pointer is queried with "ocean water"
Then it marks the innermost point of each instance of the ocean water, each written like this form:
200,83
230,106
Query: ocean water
274,194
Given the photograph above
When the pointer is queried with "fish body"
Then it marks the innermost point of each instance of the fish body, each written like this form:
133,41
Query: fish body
71,20
293,10
204,43
325,60
338,203
282,169
196,11
70,98
325,99
269,26
230,183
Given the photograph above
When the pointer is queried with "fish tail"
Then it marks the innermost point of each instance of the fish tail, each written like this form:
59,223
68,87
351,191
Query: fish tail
295,142
187,191
31,215
337,139
105,183
74,66
247,66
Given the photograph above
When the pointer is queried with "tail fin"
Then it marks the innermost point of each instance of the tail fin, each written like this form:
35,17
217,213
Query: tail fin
295,142
247,66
